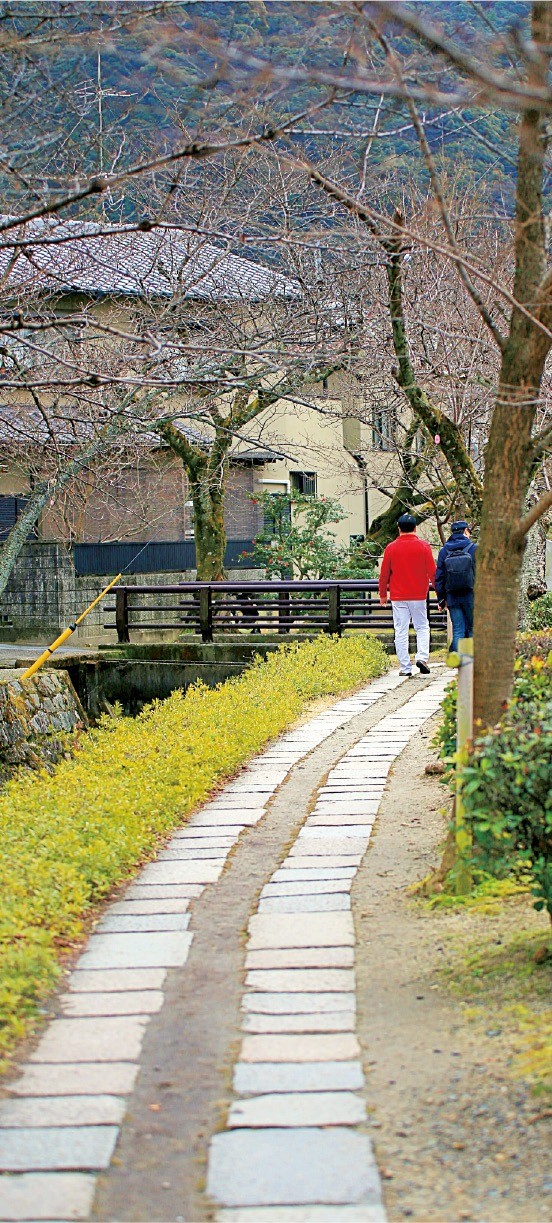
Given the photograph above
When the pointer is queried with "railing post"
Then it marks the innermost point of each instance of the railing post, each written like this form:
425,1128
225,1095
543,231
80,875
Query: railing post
428,608
334,610
464,732
121,614
206,613
283,611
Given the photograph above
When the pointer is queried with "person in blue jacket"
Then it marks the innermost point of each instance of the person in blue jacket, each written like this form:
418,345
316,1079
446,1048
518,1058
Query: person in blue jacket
455,580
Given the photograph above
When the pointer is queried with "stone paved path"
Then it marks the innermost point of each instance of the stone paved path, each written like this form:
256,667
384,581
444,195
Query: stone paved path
294,1146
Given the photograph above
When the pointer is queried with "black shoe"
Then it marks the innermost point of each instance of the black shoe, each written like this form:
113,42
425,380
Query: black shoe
423,668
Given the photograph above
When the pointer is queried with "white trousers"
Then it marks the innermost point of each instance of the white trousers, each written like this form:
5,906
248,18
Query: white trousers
404,611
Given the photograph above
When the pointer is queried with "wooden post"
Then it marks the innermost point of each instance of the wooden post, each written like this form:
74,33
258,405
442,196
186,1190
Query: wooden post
464,733
284,618
206,613
121,614
334,610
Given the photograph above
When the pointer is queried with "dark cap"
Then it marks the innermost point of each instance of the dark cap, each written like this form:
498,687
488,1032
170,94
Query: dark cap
458,527
406,522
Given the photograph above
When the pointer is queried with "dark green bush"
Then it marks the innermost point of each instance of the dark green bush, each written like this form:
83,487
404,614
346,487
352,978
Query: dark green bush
507,784
540,612
537,644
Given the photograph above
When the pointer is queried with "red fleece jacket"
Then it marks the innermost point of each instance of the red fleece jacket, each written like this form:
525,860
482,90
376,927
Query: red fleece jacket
407,569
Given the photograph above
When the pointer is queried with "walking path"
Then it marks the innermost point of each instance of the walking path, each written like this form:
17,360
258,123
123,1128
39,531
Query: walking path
294,1144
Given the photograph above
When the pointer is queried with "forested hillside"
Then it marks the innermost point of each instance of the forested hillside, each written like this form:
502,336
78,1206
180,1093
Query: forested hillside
118,85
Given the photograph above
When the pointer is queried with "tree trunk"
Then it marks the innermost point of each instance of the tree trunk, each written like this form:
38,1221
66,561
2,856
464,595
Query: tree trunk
209,529
533,569
509,455
499,560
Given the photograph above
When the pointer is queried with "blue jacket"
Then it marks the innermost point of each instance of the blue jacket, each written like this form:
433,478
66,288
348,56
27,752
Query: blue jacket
456,543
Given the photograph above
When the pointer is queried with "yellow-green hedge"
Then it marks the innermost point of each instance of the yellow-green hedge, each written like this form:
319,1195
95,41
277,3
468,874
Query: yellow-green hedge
68,839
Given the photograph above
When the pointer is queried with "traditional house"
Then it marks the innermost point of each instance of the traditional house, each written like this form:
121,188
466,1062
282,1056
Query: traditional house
116,301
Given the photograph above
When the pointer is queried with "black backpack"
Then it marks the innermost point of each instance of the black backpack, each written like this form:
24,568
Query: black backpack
459,572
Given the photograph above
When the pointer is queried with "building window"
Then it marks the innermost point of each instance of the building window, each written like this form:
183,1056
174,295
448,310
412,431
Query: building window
275,523
303,482
383,428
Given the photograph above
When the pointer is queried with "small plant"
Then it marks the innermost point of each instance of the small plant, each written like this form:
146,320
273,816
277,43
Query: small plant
540,612
297,540
445,736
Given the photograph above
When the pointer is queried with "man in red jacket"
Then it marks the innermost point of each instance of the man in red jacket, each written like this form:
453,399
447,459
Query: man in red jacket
407,570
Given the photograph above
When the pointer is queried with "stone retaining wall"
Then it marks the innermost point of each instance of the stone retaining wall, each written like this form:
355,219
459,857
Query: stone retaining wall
44,595
35,716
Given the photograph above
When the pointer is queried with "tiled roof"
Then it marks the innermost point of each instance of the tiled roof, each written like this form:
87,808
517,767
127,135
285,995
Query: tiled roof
76,256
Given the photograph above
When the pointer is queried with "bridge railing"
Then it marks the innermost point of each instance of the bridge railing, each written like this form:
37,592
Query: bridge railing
280,607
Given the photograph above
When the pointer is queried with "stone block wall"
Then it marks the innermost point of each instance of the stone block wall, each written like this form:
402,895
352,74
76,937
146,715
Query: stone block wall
35,715
44,595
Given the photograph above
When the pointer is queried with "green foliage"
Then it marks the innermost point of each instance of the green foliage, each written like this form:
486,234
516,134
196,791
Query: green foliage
537,644
506,784
297,540
540,612
445,736
68,839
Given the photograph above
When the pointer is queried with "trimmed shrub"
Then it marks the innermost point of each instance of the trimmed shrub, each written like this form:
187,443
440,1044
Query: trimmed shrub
540,612
537,644
67,840
507,784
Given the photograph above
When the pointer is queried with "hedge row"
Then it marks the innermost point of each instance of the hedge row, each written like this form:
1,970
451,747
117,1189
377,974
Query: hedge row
67,840
507,781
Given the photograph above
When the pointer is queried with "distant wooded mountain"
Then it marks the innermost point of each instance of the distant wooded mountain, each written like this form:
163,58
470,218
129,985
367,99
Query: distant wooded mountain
157,83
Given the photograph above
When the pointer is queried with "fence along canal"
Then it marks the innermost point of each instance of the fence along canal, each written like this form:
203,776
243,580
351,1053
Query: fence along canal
281,607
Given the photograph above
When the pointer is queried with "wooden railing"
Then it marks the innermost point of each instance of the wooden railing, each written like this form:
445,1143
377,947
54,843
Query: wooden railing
281,607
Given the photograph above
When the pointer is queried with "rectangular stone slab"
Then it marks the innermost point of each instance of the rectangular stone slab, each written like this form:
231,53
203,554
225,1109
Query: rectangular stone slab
346,831
312,859
259,1078
344,822
198,833
301,957
309,844
100,980
109,1039
305,904
345,806
70,1148
61,1111
142,923
246,1167
301,980
167,949
129,1002
77,1078
292,873
195,853
180,872
306,887
329,1021
302,1214
331,1047
220,818
292,1004
298,1109
163,891
170,904
47,1195
314,930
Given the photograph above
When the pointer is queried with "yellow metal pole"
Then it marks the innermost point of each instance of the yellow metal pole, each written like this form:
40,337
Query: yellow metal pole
464,731
68,631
